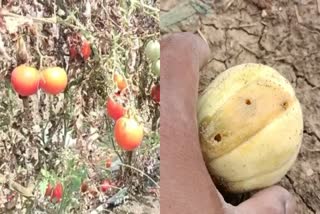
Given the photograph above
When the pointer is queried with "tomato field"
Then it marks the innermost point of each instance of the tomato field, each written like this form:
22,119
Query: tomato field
282,34
79,106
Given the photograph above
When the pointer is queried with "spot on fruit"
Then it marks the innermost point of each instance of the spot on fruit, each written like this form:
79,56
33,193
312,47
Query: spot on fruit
284,105
248,101
217,137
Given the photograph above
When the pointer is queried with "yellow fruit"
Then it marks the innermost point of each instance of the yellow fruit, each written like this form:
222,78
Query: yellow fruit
250,125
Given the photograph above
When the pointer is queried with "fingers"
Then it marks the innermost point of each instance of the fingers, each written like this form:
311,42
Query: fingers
185,47
273,200
182,55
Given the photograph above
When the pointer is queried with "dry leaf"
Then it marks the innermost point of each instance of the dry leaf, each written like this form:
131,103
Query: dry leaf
22,53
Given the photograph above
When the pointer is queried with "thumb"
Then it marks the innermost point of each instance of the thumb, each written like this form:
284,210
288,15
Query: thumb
186,46
273,200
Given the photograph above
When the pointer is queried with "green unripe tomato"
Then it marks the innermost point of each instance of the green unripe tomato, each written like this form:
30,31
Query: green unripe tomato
156,67
152,50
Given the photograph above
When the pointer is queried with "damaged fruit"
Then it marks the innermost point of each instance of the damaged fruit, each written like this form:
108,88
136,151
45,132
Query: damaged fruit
250,126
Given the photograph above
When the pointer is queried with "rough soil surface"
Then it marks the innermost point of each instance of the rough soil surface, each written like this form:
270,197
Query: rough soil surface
286,36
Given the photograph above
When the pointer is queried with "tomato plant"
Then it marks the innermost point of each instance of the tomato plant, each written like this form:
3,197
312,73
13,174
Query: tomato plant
25,80
105,185
152,50
120,81
128,133
53,80
114,108
155,93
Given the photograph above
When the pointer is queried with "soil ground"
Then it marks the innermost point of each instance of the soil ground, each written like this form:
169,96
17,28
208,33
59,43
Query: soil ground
69,137
282,34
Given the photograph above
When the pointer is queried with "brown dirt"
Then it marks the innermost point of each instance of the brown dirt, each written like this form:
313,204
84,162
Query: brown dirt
286,36
69,137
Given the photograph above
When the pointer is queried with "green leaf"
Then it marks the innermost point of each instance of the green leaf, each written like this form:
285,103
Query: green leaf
45,173
43,186
75,184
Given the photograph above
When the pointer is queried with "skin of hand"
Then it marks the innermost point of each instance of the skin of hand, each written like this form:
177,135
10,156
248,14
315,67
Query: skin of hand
186,186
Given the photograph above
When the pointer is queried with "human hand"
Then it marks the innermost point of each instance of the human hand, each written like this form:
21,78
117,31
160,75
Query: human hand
186,186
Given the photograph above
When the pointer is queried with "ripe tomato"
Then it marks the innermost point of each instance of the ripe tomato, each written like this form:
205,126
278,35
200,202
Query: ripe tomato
108,163
53,80
152,50
156,68
115,109
25,80
48,190
84,187
128,133
155,93
105,185
73,52
85,50
57,193
120,81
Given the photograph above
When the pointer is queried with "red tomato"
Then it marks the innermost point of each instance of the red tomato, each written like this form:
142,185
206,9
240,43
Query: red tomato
108,163
128,133
114,109
25,80
155,93
73,52
120,81
57,193
48,190
105,185
53,80
84,187
85,50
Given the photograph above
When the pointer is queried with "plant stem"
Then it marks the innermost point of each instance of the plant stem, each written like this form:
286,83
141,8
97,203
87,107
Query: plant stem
138,170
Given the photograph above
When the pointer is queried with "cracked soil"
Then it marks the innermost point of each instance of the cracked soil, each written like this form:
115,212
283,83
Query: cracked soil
286,36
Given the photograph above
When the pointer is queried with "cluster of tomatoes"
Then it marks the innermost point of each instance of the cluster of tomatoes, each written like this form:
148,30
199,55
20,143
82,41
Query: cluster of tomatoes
104,187
54,192
128,132
26,80
79,46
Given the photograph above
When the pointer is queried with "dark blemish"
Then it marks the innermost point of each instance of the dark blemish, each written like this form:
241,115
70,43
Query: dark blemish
284,105
248,102
217,137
